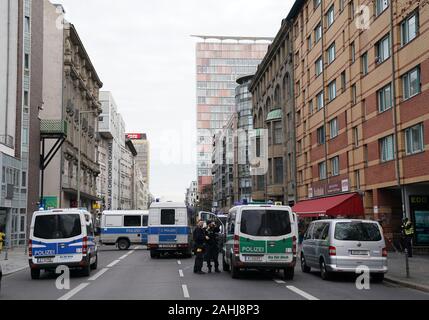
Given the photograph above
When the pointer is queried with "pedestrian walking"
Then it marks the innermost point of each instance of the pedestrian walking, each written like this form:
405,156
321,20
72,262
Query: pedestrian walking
407,231
199,238
212,255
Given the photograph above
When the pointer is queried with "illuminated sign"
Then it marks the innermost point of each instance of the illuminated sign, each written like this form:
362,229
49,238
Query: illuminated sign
135,136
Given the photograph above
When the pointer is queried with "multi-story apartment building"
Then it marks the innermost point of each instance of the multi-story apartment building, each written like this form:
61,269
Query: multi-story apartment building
111,128
21,70
274,111
71,97
359,85
142,145
219,64
192,194
127,183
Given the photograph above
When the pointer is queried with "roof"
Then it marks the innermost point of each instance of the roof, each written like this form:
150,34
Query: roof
168,205
65,210
127,212
275,115
236,38
350,204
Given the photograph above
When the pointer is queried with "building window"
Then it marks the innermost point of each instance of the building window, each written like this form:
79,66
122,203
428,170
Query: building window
384,97
411,83
380,6
364,63
309,43
278,170
299,146
354,94
321,136
387,149
409,28
331,53
318,33
357,179
414,139
319,66
278,132
27,24
316,3
356,137
310,107
332,90
26,98
333,128
335,166
27,61
24,179
320,101
353,52
342,3
382,50
322,171
343,81
352,9
330,16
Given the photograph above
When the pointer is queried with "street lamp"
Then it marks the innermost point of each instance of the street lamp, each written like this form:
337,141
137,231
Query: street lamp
79,152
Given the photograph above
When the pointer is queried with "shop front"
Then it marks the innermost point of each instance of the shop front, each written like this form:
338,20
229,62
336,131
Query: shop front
419,209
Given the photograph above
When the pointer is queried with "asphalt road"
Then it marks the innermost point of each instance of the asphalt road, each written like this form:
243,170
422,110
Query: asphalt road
133,275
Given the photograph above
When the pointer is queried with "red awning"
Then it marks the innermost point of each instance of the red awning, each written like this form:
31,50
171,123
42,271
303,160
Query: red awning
342,205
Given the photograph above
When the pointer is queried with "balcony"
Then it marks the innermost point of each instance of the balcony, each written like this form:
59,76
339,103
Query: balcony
53,128
7,141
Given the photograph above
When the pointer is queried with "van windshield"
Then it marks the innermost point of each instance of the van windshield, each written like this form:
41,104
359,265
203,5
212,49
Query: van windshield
357,231
61,226
265,223
168,217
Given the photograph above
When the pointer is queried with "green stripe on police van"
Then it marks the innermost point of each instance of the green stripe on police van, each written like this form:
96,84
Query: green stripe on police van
249,246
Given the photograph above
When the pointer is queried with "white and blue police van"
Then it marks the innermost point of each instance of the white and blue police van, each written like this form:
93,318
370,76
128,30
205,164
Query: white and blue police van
169,229
62,237
124,228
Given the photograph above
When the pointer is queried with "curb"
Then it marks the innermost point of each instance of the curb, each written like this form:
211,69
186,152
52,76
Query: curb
407,284
15,271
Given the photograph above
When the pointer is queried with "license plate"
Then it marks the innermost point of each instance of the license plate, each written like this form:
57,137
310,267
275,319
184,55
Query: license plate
45,260
359,252
253,258
167,246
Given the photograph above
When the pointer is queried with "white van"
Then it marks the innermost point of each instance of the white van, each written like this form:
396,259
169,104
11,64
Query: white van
169,229
62,237
261,237
124,228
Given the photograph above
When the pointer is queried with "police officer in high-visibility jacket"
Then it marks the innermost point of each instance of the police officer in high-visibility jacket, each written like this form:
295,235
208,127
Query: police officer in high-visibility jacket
408,234
2,239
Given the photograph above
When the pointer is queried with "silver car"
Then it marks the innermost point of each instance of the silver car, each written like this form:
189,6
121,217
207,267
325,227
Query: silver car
344,245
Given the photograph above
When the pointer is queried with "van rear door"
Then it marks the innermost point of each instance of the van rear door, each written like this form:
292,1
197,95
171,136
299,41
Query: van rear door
358,243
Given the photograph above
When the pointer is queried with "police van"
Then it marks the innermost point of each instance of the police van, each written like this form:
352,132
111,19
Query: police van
124,228
261,237
62,237
169,229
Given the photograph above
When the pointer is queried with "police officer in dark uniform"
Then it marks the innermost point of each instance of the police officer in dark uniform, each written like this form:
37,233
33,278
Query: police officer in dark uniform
213,247
199,237
407,236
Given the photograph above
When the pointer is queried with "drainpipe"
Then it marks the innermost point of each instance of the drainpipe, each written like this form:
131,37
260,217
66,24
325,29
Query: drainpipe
322,21
395,107
7,71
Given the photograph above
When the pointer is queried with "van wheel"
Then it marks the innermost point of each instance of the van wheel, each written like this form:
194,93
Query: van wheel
154,254
123,244
377,277
94,266
304,267
324,273
86,271
235,272
224,264
288,273
35,274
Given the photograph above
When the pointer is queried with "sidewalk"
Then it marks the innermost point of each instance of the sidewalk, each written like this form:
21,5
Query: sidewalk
17,260
419,270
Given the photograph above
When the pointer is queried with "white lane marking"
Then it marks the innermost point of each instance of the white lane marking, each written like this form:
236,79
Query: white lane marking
279,281
123,257
74,291
179,262
98,274
113,263
302,293
131,252
137,248
185,291
181,273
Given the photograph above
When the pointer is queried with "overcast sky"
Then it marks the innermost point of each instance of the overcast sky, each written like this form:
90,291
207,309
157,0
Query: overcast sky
143,53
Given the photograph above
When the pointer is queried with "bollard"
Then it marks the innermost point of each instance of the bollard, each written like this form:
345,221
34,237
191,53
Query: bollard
407,265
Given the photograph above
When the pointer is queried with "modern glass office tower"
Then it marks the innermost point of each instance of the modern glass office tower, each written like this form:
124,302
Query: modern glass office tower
220,62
